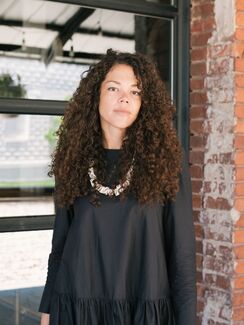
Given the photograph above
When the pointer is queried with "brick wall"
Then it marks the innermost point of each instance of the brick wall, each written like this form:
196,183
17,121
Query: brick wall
238,229
217,157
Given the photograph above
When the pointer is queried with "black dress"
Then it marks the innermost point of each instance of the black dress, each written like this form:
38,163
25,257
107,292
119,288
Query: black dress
123,263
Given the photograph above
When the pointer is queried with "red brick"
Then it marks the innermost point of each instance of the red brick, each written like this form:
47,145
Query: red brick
198,231
197,126
239,282
196,83
196,201
207,187
198,69
198,246
239,34
202,24
209,249
239,127
198,54
239,159
239,5
238,298
199,273
197,141
196,26
239,204
196,186
239,80
240,221
196,157
240,19
219,203
196,171
239,65
239,251
238,314
199,259
196,215
239,189
202,10
239,111
199,112
238,236
238,50
239,142
240,95
208,23
198,98
226,252
200,306
200,39
219,281
200,290
218,265
222,158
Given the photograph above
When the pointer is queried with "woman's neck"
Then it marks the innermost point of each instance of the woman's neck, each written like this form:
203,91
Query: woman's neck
113,138
112,144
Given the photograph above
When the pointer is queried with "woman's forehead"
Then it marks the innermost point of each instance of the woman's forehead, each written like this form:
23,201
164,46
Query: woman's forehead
122,72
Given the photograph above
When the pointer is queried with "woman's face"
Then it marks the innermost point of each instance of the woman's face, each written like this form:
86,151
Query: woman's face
120,98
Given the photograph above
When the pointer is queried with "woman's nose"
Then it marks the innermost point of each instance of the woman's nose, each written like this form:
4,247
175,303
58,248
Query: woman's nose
124,98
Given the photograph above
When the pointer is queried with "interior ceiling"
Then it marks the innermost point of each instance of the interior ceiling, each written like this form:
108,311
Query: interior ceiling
51,30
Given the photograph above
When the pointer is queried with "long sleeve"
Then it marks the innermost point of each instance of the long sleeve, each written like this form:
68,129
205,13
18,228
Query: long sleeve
60,231
180,250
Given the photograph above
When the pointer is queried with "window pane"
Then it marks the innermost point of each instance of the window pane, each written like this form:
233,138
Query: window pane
24,258
46,46
26,143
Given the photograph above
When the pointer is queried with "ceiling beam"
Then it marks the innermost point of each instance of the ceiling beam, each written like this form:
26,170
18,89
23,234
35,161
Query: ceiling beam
68,29
58,28
39,52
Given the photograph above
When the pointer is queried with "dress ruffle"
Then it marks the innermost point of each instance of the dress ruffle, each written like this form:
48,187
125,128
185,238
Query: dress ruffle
67,310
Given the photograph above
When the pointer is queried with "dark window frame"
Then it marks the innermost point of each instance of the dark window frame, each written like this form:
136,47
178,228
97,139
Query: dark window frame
180,16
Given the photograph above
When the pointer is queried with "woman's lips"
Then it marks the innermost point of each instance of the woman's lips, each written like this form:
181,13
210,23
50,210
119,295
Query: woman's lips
121,111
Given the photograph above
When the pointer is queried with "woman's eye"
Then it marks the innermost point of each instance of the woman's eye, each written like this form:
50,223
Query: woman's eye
112,88
136,92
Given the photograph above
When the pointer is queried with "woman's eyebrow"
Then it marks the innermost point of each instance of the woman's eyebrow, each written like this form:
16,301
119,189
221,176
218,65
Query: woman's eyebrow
118,83
112,81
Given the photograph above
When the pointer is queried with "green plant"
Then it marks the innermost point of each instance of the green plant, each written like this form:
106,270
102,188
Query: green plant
9,88
51,136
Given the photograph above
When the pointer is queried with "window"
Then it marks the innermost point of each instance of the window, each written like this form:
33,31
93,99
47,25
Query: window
45,46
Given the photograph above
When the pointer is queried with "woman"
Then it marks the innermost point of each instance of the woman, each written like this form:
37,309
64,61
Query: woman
123,248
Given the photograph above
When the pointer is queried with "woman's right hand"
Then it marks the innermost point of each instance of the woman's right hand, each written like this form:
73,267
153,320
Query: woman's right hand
44,319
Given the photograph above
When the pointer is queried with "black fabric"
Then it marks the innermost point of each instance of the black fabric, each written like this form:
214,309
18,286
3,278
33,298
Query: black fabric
123,263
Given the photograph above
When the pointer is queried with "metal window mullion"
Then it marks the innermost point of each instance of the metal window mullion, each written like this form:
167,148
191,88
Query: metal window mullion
152,9
26,223
182,98
32,106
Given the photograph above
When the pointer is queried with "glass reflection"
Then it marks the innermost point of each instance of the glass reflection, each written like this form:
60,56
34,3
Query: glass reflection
26,144
23,273
39,60
45,46
153,37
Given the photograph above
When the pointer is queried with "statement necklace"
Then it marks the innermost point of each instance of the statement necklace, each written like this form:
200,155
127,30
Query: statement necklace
107,190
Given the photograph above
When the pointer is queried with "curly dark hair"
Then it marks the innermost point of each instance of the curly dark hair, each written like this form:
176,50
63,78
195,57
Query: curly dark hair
152,138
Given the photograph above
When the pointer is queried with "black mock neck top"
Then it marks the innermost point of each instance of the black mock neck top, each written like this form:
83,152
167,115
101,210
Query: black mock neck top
123,263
